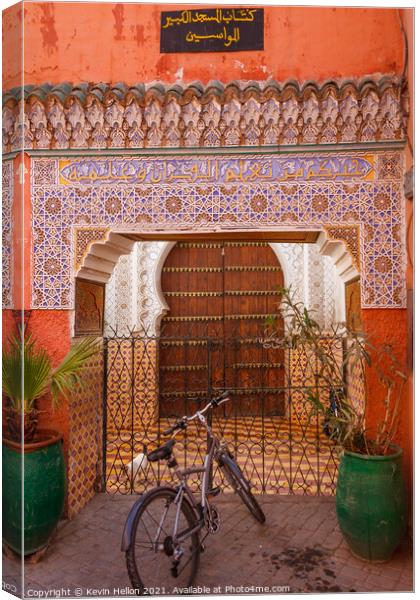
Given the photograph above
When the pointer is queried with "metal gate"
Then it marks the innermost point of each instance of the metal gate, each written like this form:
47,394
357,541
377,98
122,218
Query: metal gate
282,451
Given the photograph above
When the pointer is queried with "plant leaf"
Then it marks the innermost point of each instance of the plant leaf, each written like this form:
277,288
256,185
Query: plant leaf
67,374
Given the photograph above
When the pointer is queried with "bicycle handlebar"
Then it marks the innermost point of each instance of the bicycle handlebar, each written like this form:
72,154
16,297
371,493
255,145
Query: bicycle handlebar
182,423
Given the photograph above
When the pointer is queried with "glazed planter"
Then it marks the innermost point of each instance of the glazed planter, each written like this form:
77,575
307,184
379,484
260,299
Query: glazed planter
44,492
371,503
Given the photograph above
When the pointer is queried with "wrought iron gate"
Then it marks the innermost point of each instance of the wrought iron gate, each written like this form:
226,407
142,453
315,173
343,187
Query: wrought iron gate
282,450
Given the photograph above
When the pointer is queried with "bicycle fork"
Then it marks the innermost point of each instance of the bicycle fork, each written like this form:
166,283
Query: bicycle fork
171,544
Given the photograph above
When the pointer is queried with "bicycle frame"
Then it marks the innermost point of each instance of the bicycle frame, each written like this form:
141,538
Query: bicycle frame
184,489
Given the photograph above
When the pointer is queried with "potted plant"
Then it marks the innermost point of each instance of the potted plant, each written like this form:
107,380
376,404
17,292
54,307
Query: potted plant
370,499
32,455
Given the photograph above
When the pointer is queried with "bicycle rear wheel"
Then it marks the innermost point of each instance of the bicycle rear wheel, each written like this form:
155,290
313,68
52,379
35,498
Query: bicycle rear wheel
150,557
241,486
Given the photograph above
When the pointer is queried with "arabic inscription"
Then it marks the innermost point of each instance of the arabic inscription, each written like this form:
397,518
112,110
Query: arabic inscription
211,170
212,30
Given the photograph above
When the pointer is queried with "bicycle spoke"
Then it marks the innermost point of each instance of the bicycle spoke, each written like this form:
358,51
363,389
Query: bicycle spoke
197,550
158,524
148,535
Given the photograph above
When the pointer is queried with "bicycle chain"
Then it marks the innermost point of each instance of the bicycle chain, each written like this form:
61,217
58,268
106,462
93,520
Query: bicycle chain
213,520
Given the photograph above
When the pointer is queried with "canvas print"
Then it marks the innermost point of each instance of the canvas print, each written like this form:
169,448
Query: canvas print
207,280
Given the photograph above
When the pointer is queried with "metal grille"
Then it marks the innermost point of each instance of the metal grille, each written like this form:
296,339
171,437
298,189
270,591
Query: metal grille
279,444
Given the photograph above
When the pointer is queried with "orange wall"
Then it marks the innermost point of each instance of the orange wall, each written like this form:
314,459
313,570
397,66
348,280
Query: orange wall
389,327
51,329
8,325
120,42
12,46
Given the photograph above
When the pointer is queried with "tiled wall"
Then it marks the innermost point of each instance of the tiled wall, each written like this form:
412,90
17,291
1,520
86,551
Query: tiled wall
85,443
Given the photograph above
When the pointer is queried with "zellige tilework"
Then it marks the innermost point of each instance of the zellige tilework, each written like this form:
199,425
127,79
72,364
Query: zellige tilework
358,192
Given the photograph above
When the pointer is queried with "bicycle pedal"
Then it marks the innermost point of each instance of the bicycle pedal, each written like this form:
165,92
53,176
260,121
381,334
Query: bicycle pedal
214,492
174,571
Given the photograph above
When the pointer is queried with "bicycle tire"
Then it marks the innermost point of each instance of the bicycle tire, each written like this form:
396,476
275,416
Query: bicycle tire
153,581
237,481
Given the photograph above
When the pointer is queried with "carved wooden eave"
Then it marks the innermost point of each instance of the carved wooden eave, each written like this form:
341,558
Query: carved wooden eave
264,114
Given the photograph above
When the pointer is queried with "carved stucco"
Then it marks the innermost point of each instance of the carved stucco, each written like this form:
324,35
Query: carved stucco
97,115
133,301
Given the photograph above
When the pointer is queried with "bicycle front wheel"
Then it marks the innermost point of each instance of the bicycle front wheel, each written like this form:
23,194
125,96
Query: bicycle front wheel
156,564
241,486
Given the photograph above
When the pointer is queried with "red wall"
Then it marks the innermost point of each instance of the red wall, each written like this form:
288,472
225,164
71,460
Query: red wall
120,42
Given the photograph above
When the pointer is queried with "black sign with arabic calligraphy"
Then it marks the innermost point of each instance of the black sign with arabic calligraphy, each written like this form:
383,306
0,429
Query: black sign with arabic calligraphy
212,30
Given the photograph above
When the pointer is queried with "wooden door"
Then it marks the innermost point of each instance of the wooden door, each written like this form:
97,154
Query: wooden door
219,296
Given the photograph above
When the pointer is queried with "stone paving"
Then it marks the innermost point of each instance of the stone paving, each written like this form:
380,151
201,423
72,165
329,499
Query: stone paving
299,547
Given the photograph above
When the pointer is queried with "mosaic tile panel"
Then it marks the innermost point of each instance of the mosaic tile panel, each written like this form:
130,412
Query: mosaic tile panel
85,445
301,369
223,193
7,225
84,238
350,235
356,386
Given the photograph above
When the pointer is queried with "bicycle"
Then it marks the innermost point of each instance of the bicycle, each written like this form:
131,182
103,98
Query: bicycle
161,536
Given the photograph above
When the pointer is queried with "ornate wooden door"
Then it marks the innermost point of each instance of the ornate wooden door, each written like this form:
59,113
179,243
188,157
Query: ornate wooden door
220,295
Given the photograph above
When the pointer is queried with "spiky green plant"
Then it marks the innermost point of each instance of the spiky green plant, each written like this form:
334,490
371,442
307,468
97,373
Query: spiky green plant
28,373
301,331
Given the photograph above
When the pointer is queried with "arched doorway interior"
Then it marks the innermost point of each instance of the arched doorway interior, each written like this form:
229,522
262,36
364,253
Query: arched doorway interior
279,454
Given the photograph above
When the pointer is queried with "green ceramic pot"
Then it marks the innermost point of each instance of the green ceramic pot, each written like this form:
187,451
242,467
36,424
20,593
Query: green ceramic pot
371,504
42,463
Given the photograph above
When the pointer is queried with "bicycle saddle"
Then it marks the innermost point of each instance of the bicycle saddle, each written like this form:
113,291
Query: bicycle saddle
162,452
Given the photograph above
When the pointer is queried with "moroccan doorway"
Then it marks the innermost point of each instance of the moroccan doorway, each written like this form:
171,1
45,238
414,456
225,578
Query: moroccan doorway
220,295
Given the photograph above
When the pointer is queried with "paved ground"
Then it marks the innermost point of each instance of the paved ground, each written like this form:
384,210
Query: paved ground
300,546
